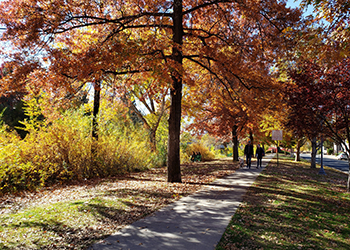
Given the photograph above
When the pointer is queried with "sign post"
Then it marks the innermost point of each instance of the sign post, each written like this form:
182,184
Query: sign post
277,135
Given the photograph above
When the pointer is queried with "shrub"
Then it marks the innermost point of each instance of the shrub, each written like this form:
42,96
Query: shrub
218,153
63,150
197,147
330,151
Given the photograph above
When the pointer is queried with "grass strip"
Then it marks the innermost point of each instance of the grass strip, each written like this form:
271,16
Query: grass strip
291,206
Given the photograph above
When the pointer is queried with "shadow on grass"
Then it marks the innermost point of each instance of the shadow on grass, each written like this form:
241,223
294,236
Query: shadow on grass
42,232
56,235
292,207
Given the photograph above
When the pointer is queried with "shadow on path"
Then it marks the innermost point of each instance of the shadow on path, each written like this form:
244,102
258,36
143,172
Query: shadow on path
193,222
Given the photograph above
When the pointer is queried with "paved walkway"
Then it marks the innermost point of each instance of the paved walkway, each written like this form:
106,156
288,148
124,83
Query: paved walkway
193,222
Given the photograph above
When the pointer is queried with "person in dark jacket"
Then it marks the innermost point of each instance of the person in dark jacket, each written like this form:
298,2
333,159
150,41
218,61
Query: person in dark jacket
259,155
248,152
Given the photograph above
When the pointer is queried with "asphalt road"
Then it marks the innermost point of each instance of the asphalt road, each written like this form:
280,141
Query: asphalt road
329,161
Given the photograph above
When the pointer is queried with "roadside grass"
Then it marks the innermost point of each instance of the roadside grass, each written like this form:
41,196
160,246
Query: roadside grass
291,206
75,216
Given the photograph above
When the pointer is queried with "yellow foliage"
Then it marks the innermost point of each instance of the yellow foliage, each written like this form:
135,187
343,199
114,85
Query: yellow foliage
197,147
64,151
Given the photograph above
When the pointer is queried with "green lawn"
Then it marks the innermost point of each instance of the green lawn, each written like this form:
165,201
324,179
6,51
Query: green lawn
291,206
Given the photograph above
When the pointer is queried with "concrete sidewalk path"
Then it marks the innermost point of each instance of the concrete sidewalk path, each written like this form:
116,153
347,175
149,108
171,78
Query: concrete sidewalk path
194,222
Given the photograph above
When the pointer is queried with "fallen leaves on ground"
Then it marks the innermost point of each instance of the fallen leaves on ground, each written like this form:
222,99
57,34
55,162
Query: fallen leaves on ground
103,206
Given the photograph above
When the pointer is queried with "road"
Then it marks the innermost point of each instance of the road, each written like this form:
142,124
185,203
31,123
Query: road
329,161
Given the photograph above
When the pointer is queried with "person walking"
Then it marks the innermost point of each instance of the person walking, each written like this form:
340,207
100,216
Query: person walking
259,155
248,152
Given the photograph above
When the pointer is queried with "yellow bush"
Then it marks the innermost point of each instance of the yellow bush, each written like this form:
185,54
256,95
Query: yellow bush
62,151
197,147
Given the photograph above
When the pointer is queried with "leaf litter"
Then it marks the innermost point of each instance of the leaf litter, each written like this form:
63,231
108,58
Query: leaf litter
75,216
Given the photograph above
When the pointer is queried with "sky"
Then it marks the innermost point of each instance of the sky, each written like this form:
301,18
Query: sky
293,3
296,3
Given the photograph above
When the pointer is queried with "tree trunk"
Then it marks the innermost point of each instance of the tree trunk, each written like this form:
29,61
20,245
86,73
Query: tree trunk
235,143
251,138
174,171
153,140
97,94
348,183
313,152
94,130
297,157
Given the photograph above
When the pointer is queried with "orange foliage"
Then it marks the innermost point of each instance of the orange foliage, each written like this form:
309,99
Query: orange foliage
174,41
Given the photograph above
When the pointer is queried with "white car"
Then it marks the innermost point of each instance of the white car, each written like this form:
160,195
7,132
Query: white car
342,156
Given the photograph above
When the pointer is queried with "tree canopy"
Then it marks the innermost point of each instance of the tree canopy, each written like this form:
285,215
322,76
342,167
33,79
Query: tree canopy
320,101
60,45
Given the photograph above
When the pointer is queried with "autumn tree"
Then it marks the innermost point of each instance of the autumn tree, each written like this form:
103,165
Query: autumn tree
335,105
333,17
322,35
304,118
168,40
229,113
320,100
150,105
217,112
